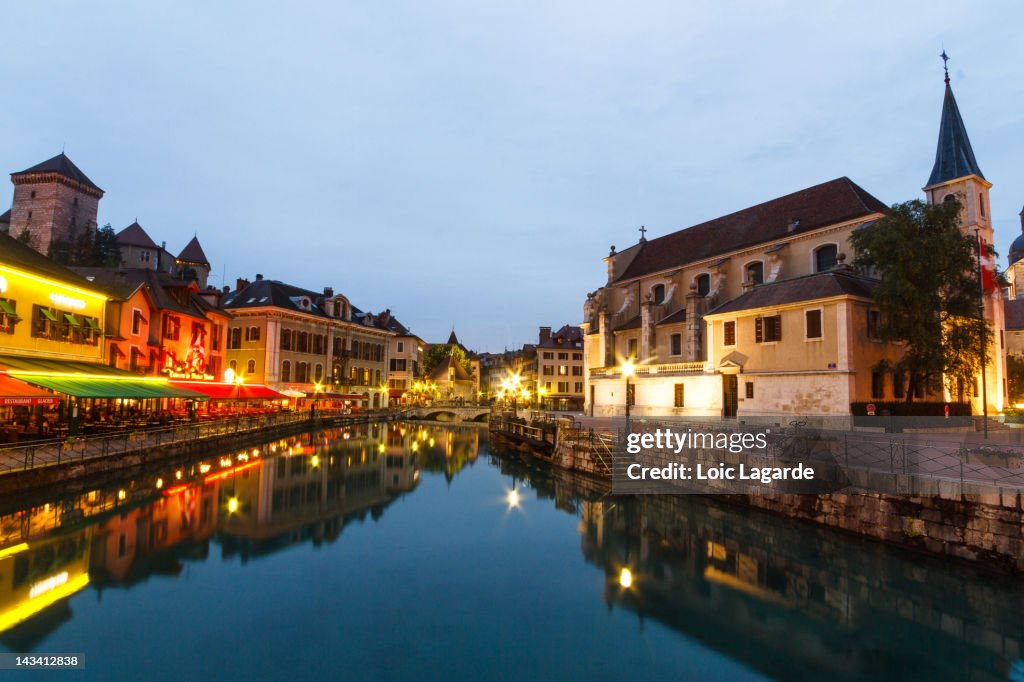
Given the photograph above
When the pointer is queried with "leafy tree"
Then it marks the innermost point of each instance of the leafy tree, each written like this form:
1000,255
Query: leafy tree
87,248
106,250
438,353
928,295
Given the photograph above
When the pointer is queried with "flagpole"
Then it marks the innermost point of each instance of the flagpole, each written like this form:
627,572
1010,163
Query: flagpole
984,387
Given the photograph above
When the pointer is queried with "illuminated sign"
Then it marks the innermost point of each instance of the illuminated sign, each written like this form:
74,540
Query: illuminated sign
67,302
3,284
48,584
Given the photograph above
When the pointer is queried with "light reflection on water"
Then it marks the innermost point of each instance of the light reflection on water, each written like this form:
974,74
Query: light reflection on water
410,551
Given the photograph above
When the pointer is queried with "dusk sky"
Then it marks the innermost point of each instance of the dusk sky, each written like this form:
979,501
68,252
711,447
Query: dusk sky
469,163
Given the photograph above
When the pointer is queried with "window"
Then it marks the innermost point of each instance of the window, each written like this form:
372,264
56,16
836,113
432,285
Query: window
877,385
8,315
32,195
286,371
658,294
812,320
899,385
577,371
703,285
729,333
577,387
563,356
825,257
549,355
632,345
981,204
749,385
215,331
234,338
874,318
172,327
755,273
398,365
303,345
137,320
233,365
548,370
680,397
318,373
401,346
547,386
577,356
250,367
768,329
675,344
252,333
286,339
44,322
301,372
563,386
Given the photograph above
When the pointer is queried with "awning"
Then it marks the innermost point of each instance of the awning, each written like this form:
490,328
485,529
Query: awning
292,393
92,324
6,308
14,392
223,391
72,320
48,315
396,392
88,380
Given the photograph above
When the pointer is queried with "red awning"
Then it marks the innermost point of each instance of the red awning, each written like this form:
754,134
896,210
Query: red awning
14,392
221,391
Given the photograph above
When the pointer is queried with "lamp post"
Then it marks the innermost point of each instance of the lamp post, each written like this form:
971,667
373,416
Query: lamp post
627,372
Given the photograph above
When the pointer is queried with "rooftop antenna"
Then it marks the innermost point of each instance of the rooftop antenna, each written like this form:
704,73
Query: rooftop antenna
945,63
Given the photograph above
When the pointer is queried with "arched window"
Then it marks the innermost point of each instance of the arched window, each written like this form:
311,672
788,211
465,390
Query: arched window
233,364
658,294
948,198
754,273
286,370
825,257
318,373
250,367
703,285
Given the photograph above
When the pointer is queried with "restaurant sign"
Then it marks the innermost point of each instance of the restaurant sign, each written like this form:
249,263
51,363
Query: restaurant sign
39,400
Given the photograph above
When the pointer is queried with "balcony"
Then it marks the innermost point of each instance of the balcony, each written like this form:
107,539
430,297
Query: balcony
668,369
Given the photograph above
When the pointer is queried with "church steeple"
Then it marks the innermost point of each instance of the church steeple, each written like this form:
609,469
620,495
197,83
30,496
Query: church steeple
954,157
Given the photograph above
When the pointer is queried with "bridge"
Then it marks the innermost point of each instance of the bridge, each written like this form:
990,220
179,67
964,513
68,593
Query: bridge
450,412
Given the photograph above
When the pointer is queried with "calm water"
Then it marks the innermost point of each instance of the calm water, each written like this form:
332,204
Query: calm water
400,552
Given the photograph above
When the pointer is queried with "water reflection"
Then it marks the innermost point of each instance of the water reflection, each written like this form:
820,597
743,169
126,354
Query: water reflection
251,502
784,598
792,600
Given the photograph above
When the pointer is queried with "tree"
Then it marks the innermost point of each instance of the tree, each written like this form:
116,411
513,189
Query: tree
88,248
929,295
438,353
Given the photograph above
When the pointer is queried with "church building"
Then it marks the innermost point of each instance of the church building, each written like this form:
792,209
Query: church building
759,312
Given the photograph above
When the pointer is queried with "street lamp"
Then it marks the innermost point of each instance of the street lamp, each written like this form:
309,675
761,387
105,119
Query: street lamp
627,371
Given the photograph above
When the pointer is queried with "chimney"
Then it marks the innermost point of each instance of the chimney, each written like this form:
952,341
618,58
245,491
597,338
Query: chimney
259,277
545,334
227,289
793,225
328,292
241,284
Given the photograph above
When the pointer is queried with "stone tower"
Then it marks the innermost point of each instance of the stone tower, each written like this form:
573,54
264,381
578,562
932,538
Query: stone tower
53,200
956,174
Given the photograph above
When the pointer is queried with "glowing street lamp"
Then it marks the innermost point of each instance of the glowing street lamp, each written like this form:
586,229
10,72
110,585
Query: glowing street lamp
541,392
628,369
625,578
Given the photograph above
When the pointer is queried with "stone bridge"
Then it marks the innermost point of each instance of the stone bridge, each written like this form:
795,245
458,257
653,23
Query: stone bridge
450,413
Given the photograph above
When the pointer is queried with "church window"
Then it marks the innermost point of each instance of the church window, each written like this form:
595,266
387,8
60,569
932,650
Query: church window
825,257
755,273
658,294
703,285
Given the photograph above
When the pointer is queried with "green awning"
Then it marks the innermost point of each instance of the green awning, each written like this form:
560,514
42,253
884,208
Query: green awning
72,320
92,324
48,315
7,308
95,387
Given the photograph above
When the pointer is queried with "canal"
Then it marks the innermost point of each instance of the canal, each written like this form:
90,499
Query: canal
408,551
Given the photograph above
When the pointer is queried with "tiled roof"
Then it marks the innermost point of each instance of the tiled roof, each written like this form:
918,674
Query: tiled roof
270,292
134,235
123,282
806,288
631,324
5,217
569,334
62,165
441,371
1014,309
954,157
13,252
675,318
193,253
826,204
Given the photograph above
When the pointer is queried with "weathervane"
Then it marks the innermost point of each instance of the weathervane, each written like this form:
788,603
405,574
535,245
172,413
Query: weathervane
945,64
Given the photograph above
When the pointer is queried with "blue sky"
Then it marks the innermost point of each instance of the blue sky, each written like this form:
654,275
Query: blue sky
468,163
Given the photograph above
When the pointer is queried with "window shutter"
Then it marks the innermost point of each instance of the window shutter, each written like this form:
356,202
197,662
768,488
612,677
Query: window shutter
778,328
758,330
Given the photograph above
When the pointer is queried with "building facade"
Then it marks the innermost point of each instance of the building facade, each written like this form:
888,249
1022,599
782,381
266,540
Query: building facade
301,342
560,366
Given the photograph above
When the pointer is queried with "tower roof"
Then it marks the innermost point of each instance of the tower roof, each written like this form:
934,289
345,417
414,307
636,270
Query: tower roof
954,157
453,340
62,165
134,235
193,253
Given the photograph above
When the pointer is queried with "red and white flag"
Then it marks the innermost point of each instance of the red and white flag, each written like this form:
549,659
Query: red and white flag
988,268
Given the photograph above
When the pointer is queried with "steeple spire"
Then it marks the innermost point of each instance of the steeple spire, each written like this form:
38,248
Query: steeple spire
954,157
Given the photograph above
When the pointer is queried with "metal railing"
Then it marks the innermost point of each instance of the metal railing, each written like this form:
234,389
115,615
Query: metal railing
670,368
52,452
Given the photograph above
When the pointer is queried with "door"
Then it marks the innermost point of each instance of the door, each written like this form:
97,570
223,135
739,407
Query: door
730,395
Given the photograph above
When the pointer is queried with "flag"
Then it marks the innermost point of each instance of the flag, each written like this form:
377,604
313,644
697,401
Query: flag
988,273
